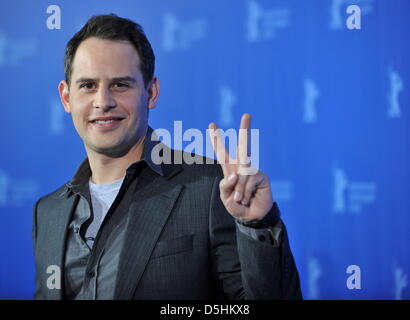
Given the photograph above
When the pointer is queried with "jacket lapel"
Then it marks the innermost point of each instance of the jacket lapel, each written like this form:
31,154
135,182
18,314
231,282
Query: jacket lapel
58,223
148,214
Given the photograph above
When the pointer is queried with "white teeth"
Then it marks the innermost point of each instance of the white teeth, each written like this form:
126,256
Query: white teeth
104,121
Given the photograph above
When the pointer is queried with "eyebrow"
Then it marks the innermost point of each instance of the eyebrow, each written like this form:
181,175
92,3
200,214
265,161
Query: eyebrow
116,79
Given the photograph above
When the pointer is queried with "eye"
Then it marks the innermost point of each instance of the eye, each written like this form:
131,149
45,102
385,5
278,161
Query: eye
87,85
121,85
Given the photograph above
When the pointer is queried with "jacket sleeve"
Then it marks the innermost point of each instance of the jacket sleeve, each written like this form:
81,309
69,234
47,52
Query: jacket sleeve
245,268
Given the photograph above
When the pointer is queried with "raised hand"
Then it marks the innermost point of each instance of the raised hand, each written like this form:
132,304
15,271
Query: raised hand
245,191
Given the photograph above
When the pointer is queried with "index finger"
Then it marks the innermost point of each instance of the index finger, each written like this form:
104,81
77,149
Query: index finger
222,154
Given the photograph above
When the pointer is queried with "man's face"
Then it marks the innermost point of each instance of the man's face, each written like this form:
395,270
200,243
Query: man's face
107,97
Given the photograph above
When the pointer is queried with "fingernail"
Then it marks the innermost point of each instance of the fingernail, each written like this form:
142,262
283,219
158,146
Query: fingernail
231,177
237,196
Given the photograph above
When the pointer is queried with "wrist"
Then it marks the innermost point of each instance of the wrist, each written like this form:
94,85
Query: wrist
269,220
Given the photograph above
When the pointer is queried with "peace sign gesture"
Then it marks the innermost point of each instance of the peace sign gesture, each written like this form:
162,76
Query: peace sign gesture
245,193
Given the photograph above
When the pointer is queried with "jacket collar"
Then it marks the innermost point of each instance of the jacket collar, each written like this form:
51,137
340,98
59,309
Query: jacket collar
83,173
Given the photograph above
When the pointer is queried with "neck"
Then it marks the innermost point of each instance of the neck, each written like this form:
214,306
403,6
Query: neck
106,169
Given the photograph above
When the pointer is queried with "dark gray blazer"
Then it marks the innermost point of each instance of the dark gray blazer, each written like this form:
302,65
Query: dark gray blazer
180,243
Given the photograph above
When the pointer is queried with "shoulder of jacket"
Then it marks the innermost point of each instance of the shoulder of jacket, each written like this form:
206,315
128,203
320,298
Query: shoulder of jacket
53,195
194,163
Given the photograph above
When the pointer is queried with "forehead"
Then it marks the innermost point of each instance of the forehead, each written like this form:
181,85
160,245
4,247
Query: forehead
101,58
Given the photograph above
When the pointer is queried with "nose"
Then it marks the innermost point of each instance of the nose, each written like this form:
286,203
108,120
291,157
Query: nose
104,100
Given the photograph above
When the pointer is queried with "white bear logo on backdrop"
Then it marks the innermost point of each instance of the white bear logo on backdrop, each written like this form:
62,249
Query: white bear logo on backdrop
179,34
4,182
314,274
312,93
400,281
263,24
3,45
227,101
396,86
350,196
17,192
14,51
56,117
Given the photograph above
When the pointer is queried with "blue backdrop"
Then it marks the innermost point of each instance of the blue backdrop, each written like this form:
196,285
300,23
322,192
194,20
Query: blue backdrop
331,103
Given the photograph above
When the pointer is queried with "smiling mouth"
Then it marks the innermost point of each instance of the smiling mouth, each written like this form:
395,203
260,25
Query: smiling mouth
106,123
109,120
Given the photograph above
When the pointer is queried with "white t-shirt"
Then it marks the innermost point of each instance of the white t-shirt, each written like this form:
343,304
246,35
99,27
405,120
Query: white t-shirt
102,197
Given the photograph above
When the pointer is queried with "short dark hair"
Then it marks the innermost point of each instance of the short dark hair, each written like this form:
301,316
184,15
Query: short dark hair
112,27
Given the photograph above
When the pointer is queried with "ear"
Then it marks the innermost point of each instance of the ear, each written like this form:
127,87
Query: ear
63,90
153,93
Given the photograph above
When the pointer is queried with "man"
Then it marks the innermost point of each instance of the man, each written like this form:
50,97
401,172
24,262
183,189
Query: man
127,227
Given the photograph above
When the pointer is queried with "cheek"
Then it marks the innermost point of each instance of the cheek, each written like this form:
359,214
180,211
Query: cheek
134,105
80,112
79,123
